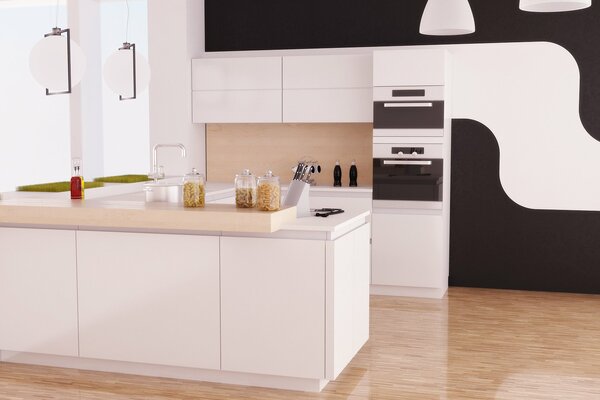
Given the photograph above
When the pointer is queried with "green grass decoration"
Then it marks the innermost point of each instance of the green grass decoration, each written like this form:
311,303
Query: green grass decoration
56,187
123,179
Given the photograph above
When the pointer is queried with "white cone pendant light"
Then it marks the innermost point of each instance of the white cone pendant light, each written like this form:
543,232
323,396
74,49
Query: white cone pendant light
123,75
56,62
447,17
553,5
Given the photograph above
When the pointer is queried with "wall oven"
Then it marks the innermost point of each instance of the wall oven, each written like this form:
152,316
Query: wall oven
408,175
408,111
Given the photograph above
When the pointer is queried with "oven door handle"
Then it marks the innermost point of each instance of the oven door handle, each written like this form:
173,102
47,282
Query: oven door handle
406,162
407,105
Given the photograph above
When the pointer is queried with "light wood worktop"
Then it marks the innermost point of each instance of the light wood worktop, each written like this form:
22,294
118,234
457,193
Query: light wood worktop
102,213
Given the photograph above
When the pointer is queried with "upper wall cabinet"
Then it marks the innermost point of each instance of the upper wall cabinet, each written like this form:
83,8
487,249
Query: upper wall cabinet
410,67
332,88
246,73
236,89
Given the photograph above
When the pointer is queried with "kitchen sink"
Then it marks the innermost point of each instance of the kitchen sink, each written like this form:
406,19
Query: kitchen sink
171,192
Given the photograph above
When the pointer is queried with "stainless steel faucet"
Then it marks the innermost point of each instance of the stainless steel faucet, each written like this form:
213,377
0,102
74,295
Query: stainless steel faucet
157,174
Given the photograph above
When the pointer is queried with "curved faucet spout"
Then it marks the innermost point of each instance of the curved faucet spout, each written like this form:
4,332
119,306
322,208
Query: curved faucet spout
156,174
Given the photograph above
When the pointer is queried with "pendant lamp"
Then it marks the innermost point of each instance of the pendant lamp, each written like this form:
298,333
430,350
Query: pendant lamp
126,72
446,18
56,62
553,5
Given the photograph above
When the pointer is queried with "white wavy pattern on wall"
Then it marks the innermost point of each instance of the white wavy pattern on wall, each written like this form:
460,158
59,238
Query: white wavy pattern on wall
527,94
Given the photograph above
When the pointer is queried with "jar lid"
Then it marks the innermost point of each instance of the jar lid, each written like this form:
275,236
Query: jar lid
245,173
193,173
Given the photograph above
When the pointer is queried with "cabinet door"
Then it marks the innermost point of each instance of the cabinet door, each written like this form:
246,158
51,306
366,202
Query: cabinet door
408,250
242,106
328,72
273,306
243,73
38,291
328,105
149,298
332,88
409,67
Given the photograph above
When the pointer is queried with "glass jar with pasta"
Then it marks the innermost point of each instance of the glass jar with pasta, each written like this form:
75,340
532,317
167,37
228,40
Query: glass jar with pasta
245,190
193,189
269,192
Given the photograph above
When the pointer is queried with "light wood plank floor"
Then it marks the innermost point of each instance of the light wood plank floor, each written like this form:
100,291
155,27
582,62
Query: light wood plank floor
474,344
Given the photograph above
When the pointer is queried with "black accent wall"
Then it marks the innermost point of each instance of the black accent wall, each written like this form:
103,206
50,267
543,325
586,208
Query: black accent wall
497,243
494,242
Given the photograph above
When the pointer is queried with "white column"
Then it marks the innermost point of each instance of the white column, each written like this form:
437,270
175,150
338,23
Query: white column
175,36
86,99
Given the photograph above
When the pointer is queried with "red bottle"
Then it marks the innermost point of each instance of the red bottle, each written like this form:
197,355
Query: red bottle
76,181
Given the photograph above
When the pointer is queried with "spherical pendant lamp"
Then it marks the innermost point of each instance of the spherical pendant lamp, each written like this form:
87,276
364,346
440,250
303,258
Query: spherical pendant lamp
447,17
57,63
553,5
124,76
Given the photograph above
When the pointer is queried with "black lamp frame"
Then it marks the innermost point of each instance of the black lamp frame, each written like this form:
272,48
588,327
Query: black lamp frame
58,32
130,46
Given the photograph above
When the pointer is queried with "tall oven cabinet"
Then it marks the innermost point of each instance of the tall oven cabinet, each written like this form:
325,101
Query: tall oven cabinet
411,173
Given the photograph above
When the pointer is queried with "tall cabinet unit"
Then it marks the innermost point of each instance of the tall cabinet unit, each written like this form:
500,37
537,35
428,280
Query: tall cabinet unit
410,250
236,90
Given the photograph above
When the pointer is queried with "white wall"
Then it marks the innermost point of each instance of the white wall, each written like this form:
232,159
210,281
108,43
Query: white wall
175,36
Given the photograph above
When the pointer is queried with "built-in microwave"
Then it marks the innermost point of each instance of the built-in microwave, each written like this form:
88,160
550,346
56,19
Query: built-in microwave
408,111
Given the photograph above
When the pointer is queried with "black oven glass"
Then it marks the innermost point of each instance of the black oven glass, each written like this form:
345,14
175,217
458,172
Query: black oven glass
407,179
394,115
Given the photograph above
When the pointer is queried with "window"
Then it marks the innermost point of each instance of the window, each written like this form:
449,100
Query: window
39,134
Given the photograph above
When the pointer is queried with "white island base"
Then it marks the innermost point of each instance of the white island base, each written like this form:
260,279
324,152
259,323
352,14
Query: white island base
288,309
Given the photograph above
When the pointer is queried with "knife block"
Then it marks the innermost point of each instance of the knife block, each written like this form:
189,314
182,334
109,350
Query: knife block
297,195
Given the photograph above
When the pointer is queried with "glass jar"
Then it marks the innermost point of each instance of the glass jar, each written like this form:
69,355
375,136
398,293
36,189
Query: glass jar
245,190
193,189
269,192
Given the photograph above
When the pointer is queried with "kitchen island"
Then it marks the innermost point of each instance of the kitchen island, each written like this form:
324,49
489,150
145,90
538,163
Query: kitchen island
286,309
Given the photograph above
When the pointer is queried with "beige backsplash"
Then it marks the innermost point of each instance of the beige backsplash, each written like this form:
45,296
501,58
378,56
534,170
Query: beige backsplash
279,147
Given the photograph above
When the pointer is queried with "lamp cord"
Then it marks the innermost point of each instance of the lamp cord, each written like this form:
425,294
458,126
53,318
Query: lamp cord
56,15
127,23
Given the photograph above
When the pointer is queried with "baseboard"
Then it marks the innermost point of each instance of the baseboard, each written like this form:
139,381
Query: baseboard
405,291
163,371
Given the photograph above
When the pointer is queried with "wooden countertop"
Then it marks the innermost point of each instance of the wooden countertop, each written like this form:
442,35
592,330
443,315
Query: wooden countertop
102,213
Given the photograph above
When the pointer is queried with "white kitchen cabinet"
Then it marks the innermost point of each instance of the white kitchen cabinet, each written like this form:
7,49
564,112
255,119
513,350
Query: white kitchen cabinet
273,306
328,71
409,67
332,88
241,73
38,291
149,298
230,90
328,105
347,287
408,251
237,106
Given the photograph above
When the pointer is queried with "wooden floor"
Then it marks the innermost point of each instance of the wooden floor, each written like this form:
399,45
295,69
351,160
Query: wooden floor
474,344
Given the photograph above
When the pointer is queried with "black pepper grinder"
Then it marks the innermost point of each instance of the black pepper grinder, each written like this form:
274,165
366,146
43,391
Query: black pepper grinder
337,174
353,174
